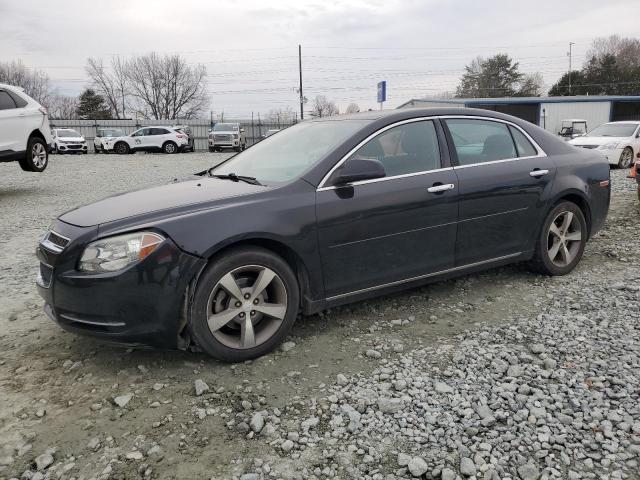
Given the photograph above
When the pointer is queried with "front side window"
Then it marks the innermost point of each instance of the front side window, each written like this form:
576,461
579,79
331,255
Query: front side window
407,148
6,102
479,141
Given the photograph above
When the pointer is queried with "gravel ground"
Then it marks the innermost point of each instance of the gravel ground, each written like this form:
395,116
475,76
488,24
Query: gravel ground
503,374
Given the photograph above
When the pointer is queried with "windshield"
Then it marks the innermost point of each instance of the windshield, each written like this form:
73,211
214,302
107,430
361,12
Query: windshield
287,155
225,127
114,132
67,133
613,130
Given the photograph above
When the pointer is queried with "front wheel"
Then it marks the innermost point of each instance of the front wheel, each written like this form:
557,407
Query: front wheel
36,158
562,240
245,304
626,158
121,148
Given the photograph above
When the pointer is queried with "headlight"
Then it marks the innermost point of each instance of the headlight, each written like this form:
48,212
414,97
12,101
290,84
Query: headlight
115,253
235,135
609,146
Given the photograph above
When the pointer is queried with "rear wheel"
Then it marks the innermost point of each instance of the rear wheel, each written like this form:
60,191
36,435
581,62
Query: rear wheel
36,158
121,148
562,240
626,158
245,304
169,147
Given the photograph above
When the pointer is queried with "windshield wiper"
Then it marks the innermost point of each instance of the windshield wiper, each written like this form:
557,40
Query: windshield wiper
236,178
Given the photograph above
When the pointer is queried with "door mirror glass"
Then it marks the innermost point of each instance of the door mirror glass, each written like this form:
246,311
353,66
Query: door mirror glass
358,169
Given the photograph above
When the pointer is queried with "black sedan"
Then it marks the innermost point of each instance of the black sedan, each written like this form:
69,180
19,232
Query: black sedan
327,212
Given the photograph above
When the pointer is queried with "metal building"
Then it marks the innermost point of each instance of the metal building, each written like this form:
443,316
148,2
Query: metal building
548,112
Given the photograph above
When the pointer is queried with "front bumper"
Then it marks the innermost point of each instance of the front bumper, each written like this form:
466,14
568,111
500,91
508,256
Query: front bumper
224,144
139,306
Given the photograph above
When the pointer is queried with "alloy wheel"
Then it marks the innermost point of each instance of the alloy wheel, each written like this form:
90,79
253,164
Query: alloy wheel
38,155
626,158
564,239
247,306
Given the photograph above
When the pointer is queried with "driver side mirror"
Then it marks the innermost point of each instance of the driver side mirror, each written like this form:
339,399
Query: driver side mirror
358,169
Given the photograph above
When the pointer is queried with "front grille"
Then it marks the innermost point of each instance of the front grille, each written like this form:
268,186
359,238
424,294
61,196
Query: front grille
44,277
222,138
54,242
587,146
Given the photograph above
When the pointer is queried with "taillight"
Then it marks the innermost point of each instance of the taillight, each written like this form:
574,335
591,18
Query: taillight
181,136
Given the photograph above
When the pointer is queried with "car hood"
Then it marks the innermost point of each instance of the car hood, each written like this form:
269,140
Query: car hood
71,139
167,199
595,140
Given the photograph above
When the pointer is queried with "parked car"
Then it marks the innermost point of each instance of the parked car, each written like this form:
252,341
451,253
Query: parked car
186,129
102,135
327,212
619,142
24,130
572,128
148,139
227,135
67,140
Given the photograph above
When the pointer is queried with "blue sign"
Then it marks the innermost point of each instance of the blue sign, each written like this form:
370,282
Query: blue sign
382,91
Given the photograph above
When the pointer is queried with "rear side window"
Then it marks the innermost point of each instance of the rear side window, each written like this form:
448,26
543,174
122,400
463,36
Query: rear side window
479,141
408,148
159,131
6,102
523,145
20,102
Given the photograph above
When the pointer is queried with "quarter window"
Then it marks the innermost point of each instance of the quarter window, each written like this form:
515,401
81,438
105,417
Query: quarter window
6,102
408,148
523,145
479,141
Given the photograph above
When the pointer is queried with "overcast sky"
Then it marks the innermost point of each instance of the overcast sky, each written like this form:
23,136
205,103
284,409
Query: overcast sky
250,47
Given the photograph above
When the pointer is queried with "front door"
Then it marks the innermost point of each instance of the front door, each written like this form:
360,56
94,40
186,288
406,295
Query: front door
393,229
502,180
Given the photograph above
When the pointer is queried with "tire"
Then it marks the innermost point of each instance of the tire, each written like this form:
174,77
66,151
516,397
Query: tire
170,147
238,149
121,148
211,149
242,268
626,158
561,241
36,157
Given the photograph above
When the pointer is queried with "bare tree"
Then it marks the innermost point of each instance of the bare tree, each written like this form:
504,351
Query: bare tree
352,108
280,115
61,106
323,107
166,87
111,84
625,50
34,82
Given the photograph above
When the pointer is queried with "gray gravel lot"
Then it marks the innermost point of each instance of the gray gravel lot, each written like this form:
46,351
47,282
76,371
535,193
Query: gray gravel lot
503,374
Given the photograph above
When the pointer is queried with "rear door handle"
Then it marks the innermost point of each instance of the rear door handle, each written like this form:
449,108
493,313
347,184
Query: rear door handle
538,172
441,188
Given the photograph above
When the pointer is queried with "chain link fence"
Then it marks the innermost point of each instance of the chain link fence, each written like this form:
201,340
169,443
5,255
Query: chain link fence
253,129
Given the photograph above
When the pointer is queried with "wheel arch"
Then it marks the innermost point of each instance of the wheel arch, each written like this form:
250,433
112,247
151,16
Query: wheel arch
578,198
280,248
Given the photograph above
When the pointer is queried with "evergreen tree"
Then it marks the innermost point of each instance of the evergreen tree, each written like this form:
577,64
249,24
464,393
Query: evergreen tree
92,106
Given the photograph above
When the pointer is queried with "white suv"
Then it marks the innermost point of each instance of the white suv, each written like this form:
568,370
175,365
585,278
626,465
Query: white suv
24,130
148,139
67,140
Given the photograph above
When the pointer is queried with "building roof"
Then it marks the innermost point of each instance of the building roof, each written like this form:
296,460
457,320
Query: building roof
519,100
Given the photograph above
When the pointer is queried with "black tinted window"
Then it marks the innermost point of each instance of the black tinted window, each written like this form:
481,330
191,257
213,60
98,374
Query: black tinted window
159,131
478,141
6,102
525,149
408,148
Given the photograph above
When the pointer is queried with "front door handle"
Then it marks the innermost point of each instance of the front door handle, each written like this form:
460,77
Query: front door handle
538,173
441,188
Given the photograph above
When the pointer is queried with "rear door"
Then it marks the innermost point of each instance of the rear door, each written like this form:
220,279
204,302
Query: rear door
393,229
12,125
503,178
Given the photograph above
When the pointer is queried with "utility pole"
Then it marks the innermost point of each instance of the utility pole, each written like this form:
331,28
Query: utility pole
300,87
571,44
